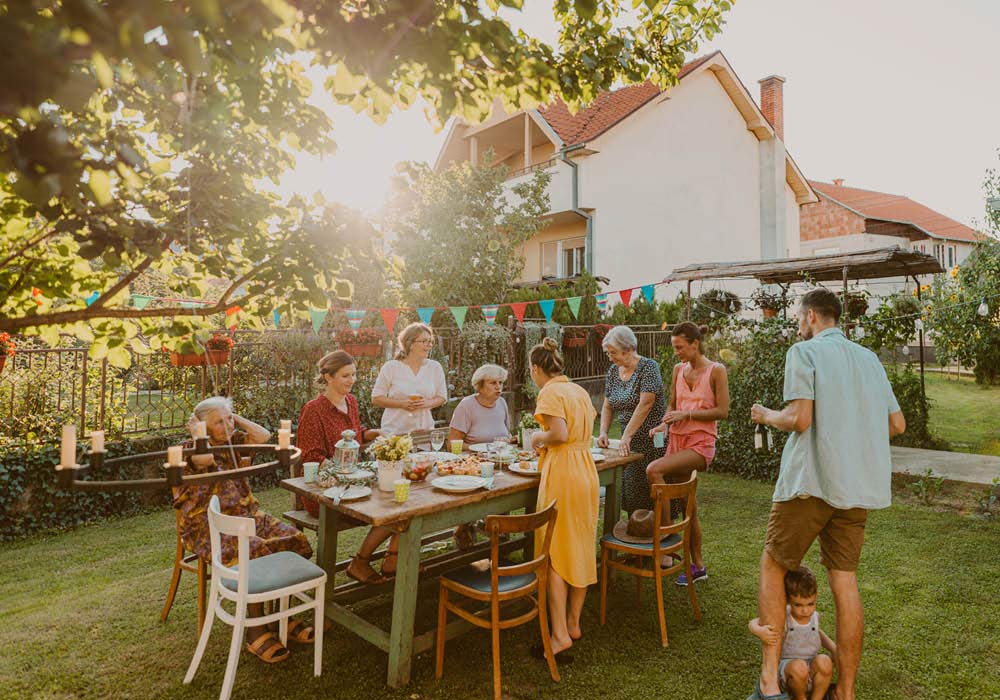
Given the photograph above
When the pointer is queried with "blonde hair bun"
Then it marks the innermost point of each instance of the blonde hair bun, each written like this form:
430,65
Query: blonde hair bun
550,344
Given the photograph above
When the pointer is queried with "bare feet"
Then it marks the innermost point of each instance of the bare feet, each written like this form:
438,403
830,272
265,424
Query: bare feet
360,570
769,688
559,645
575,633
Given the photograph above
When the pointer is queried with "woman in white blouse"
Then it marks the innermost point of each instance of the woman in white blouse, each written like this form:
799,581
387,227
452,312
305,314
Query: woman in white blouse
409,386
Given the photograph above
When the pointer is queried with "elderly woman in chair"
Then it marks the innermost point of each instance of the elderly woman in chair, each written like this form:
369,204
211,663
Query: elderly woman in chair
226,428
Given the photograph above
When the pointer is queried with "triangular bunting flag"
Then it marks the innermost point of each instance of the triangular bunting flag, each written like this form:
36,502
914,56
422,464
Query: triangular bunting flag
94,296
518,308
490,313
317,316
626,295
547,305
141,301
649,292
602,302
233,310
276,315
574,306
189,304
459,313
389,317
355,317
426,313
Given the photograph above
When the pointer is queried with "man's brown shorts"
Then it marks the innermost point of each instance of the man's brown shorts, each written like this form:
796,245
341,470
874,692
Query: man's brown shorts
795,524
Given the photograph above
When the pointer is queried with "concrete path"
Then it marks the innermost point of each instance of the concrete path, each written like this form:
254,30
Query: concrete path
957,466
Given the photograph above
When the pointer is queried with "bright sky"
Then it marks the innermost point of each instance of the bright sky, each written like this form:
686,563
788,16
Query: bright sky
894,95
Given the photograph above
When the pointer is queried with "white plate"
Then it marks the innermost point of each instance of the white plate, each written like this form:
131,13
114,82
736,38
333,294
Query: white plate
353,493
458,483
435,456
480,447
516,468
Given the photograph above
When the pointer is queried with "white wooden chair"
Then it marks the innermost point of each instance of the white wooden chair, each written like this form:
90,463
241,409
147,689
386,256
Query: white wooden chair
276,576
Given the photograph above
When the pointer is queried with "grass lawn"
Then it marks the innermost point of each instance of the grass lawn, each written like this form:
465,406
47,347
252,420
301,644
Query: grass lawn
80,619
965,414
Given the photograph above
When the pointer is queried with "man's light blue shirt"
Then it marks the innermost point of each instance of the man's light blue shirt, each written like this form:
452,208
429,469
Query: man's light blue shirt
843,458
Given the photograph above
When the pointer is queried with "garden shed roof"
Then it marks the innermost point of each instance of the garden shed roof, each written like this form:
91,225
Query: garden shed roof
865,264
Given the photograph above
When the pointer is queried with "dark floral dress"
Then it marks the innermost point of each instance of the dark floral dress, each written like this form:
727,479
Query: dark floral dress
624,398
235,498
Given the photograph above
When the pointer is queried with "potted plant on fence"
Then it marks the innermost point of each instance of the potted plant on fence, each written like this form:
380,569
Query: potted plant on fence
528,426
7,347
601,330
770,303
574,337
364,342
218,348
855,303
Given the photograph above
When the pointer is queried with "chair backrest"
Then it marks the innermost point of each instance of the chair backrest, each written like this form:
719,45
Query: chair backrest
663,495
497,525
243,529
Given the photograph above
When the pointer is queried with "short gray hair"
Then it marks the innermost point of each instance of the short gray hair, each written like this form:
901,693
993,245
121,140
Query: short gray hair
488,373
212,403
620,338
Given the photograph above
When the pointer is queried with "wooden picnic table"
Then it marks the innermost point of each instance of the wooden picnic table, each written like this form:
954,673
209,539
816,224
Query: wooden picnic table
427,510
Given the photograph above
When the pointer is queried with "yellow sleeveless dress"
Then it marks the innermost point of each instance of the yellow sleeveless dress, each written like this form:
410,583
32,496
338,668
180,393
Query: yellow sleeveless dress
569,477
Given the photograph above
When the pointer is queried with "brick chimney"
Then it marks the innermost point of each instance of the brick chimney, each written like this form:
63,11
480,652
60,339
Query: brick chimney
772,103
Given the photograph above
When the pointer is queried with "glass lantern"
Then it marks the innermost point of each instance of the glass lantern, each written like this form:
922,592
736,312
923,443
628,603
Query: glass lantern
345,453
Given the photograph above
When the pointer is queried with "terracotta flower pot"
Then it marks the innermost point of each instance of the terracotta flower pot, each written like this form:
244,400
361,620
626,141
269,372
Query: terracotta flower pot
186,359
216,357
770,313
577,341
362,349
3,361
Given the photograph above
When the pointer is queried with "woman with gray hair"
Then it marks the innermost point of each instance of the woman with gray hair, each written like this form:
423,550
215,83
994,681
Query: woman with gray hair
235,497
484,416
634,391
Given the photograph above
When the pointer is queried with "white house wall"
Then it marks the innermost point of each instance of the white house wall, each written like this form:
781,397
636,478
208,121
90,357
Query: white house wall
676,183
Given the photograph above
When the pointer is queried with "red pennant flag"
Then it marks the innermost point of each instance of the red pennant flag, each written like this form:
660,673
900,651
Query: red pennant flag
518,308
233,310
626,295
389,317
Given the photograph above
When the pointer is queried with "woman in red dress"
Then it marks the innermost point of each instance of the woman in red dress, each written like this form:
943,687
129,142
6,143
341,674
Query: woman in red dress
320,426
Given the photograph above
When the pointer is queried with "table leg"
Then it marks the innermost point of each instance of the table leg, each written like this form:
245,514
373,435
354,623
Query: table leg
326,545
404,605
613,501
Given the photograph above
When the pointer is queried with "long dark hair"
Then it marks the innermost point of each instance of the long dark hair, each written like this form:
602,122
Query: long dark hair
547,357
690,332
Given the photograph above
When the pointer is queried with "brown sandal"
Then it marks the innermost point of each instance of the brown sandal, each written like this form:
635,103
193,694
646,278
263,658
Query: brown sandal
274,653
301,633
373,579
421,569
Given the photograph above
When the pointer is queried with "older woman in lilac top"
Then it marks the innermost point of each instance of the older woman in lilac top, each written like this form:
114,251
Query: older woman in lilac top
484,416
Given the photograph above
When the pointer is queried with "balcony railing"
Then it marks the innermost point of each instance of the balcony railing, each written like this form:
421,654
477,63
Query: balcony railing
531,168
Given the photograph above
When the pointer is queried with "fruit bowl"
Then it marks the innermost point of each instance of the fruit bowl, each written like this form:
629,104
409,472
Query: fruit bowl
416,470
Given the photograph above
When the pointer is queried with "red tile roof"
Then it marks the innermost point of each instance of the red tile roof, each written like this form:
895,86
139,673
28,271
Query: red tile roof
894,207
607,110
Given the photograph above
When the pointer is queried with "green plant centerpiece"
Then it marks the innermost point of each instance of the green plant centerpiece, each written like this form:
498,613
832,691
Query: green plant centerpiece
528,425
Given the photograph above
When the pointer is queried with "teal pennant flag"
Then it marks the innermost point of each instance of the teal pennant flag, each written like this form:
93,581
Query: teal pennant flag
426,313
574,306
317,316
649,292
141,301
547,305
459,313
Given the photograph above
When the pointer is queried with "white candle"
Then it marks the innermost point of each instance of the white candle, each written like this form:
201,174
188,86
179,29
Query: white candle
175,456
284,438
286,425
200,429
97,441
67,457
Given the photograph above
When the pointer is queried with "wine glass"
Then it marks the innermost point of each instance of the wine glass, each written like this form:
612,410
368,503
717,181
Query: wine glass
499,447
438,437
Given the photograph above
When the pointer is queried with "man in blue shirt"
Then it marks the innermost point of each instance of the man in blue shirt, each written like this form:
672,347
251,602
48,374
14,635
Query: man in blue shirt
836,466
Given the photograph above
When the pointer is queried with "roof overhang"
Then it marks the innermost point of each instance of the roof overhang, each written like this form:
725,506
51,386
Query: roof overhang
910,224
866,264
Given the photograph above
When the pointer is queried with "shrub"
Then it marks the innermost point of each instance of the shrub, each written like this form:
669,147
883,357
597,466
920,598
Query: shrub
927,487
916,409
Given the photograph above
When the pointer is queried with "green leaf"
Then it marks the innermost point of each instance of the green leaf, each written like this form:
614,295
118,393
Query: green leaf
100,186
102,69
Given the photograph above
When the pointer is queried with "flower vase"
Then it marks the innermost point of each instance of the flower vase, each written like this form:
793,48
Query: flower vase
388,472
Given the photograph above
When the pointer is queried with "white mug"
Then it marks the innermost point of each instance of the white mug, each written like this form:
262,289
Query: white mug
310,470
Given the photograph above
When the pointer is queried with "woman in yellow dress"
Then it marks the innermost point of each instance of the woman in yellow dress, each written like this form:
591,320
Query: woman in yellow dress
569,477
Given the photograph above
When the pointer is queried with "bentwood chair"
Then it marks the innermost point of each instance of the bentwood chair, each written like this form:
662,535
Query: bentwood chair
186,561
501,584
668,539
277,576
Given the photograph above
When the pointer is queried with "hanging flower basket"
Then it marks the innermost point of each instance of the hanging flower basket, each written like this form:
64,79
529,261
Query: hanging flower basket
186,359
216,357
574,338
364,342
362,349
769,313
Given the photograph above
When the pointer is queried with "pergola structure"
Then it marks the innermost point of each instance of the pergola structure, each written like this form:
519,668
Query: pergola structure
878,263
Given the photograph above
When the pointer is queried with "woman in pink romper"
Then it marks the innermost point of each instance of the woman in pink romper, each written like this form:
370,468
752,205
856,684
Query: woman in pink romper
699,397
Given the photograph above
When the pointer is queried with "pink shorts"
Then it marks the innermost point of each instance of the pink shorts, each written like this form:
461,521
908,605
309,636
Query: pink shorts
699,441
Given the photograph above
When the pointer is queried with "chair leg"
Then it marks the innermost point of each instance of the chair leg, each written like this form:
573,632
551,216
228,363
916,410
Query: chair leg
319,623
283,621
202,599
638,590
658,579
495,634
206,630
175,579
439,637
239,628
604,583
543,622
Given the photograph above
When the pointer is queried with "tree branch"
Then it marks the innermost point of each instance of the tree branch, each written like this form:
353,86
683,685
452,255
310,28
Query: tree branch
27,246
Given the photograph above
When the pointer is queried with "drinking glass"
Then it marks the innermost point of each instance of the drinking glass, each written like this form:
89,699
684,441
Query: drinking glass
438,437
500,447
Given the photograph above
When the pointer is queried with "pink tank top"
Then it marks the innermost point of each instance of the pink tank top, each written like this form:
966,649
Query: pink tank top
697,399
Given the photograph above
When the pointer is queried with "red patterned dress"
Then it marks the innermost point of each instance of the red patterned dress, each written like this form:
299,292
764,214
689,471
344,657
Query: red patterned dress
320,427
235,498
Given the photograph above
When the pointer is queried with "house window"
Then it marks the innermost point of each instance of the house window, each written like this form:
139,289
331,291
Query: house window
951,256
563,258
939,252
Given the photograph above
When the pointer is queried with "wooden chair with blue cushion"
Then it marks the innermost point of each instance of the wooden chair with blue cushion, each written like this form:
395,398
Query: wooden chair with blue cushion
501,583
277,576
668,539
